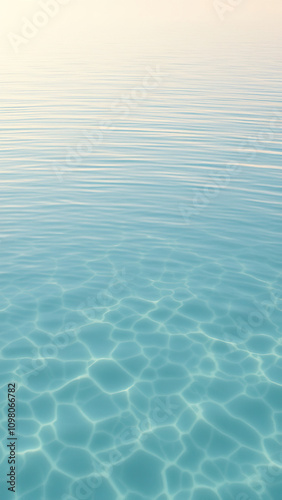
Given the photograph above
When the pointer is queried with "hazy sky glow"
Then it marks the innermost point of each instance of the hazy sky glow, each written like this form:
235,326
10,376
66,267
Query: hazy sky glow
80,21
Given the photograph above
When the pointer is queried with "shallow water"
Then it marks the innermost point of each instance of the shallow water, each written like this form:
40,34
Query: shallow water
141,278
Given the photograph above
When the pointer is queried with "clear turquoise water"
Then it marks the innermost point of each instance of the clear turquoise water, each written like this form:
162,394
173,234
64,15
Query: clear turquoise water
141,285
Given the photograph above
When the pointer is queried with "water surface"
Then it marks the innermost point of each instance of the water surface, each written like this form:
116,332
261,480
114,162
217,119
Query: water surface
141,274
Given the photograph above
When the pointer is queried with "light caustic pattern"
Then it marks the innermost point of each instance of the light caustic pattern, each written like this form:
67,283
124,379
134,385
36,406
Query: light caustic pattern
140,290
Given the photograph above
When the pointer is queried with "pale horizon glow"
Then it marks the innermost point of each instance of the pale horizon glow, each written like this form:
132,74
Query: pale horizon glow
84,22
